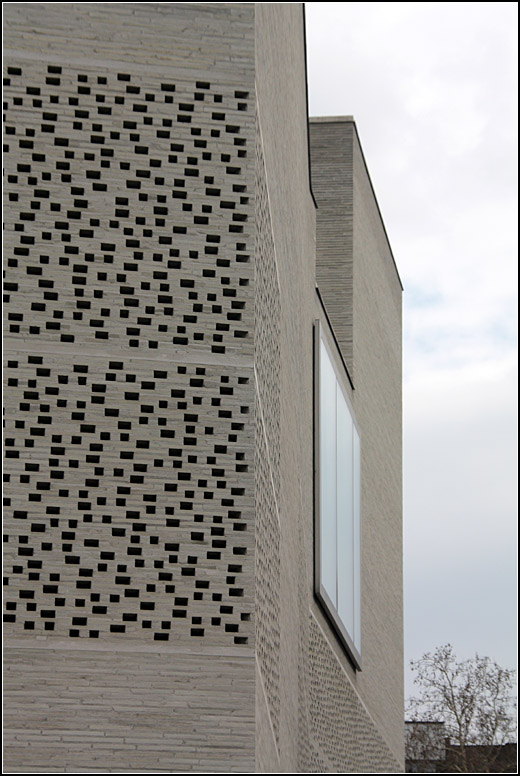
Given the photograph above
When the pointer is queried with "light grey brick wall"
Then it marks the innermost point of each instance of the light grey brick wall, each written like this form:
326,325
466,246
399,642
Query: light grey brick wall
280,65
329,721
332,183
160,275
332,717
97,710
130,386
377,402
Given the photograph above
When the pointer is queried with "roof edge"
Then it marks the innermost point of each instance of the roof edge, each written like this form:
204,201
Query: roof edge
330,119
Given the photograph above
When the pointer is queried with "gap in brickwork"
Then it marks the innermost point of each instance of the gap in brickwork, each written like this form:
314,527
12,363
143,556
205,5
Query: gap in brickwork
128,218
122,515
134,193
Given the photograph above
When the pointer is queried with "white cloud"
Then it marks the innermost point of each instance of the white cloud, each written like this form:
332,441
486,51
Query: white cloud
460,510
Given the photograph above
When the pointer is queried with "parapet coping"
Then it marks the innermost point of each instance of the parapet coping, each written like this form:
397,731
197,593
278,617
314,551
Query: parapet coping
330,119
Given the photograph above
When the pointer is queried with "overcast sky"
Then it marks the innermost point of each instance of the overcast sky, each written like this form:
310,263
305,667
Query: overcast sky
433,87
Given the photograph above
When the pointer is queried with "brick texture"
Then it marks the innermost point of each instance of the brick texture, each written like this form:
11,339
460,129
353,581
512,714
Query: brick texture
160,258
129,386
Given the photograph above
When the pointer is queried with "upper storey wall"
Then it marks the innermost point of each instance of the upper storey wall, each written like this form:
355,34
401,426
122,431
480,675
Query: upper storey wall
332,176
340,179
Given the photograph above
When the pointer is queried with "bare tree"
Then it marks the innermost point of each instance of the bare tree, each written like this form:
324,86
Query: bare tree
474,700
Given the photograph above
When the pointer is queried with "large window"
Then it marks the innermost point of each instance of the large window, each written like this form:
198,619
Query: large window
338,497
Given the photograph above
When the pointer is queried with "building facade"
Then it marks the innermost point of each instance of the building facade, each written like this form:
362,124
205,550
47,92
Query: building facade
429,750
187,586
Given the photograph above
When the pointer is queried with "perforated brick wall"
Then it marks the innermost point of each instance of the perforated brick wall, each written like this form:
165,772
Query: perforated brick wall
127,230
128,210
130,415
124,513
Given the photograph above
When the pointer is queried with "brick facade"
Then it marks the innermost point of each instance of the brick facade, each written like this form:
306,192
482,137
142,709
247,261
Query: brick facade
159,304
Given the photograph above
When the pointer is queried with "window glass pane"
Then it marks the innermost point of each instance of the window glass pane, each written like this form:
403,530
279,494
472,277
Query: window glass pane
357,537
339,524
328,474
345,513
